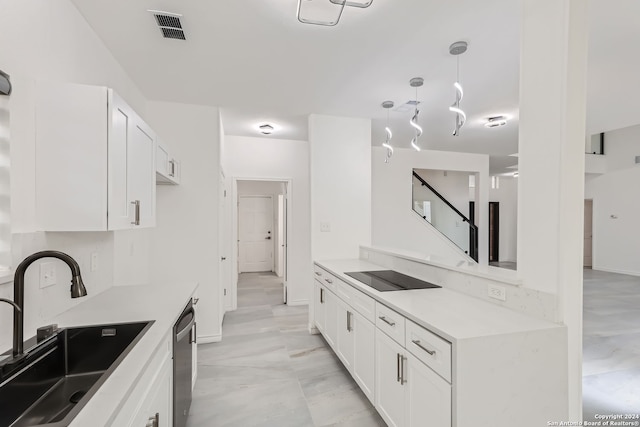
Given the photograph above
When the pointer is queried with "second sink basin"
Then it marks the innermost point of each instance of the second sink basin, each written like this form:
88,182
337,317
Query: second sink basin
64,372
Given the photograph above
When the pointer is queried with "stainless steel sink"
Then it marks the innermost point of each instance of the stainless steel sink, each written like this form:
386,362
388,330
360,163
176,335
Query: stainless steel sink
60,375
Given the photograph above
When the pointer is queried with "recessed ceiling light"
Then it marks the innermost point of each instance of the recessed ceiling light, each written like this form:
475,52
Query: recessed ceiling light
496,121
266,129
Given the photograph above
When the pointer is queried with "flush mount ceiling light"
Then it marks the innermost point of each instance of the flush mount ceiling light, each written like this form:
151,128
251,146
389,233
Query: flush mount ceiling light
266,129
416,82
457,49
387,105
496,121
326,12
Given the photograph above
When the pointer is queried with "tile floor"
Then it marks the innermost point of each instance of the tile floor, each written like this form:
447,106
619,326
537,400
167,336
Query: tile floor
268,371
611,344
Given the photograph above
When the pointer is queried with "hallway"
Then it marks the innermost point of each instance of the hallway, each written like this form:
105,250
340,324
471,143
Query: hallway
268,371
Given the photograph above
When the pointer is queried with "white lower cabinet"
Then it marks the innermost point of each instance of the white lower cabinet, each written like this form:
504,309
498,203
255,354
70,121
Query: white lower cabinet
331,318
390,396
408,392
151,401
319,307
364,350
325,313
156,410
356,347
428,395
346,335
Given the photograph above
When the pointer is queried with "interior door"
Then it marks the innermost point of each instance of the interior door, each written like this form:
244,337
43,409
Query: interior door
255,239
588,233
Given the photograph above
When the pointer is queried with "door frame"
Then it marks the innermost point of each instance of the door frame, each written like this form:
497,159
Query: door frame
234,229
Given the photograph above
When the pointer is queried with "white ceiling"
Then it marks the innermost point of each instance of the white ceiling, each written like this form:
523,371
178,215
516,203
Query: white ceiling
257,62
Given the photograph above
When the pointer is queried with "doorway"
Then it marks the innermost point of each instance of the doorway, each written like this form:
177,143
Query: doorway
588,234
494,231
260,222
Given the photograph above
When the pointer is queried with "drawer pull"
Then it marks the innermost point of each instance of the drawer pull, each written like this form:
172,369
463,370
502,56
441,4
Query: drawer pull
417,342
328,281
318,274
388,322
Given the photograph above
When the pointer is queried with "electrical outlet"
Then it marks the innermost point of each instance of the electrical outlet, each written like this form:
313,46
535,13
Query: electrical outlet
94,261
325,226
497,292
47,274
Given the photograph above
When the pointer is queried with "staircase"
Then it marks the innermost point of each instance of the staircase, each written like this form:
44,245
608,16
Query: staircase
444,217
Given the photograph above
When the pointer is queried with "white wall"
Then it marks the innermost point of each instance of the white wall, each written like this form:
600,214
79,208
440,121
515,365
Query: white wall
340,185
50,40
278,159
507,196
621,148
184,243
616,241
396,226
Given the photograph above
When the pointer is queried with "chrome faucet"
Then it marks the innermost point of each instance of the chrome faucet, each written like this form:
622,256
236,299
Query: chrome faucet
77,290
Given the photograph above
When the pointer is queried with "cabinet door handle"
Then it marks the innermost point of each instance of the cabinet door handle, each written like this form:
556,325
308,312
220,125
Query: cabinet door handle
193,338
402,379
349,314
398,358
136,204
388,322
329,281
172,163
321,295
417,342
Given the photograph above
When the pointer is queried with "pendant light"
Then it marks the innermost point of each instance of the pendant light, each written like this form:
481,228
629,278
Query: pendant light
416,82
387,105
457,49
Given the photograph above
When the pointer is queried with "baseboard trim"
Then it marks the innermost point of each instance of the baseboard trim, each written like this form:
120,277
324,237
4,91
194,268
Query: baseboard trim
298,302
208,339
613,270
312,329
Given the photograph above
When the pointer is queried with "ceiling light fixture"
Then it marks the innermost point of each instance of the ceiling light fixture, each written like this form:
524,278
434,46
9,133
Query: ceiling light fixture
457,49
326,13
387,105
494,122
266,129
416,82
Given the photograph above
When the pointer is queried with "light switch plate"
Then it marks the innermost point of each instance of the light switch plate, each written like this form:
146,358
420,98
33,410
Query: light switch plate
47,274
325,226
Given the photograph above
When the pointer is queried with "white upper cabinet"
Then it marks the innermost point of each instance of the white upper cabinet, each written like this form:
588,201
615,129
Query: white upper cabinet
95,161
167,167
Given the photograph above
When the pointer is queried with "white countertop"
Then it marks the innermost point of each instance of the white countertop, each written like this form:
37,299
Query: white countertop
450,314
121,304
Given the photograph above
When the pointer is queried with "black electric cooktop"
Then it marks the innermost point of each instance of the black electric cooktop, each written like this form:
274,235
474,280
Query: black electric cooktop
389,280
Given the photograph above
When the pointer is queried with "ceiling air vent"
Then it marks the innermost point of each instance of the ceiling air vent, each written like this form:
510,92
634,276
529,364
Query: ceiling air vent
169,24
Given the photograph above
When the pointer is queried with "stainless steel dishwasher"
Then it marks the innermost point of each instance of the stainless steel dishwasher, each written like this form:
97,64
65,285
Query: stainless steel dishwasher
184,335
